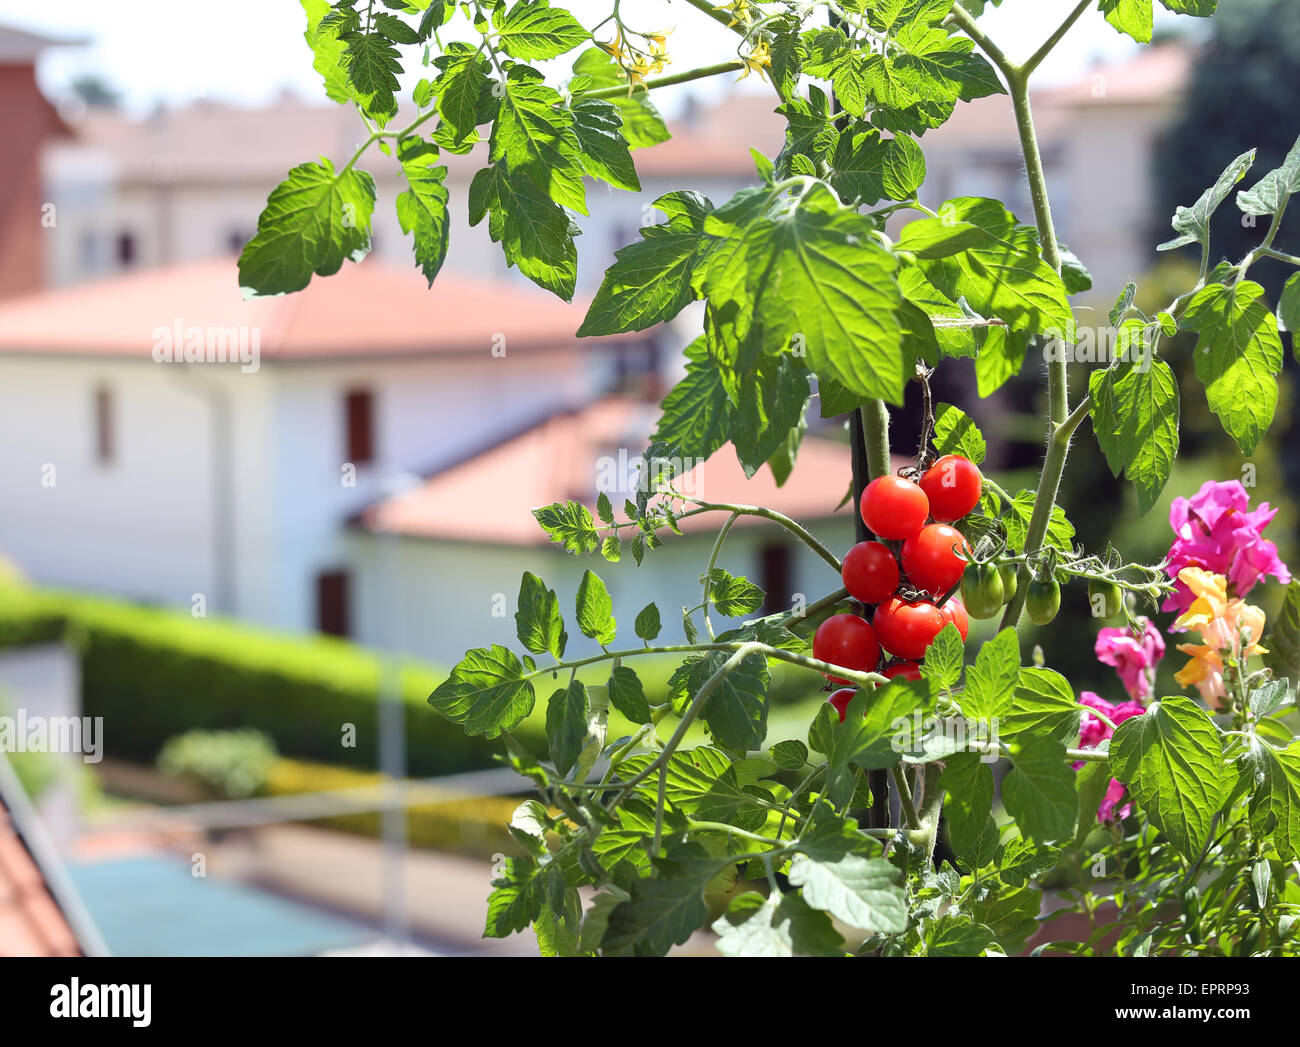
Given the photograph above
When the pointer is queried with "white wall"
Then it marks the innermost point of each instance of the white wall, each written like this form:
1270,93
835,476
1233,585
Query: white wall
446,595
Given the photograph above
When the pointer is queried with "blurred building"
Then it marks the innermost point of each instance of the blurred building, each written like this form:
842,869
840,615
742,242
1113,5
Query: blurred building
27,123
264,489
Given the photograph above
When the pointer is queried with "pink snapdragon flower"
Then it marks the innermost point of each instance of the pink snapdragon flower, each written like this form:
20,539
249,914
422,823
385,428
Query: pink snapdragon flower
1092,733
1215,530
1134,658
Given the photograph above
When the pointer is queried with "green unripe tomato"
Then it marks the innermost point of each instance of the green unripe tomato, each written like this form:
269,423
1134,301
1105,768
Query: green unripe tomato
1105,599
981,590
1010,581
1042,600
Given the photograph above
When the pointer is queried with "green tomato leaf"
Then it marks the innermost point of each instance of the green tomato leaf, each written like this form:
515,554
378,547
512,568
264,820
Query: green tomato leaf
810,276
955,433
651,281
595,609
968,782
1275,799
534,136
534,231
991,681
647,623
780,925
1193,223
1038,792
570,525
1135,412
1171,759
1042,706
533,30
313,221
862,892
566,724
1237,358
538,621
422,207
734,597
605,155
627,695
485,693
1283,642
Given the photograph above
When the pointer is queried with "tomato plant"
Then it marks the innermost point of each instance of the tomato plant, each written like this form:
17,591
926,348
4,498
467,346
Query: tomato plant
831,275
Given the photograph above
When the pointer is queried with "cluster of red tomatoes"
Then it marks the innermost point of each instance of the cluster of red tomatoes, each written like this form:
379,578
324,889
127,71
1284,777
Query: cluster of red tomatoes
912,590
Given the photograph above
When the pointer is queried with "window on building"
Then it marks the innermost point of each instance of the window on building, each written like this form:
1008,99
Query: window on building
359,412
333,616
105,436
776,576
126,250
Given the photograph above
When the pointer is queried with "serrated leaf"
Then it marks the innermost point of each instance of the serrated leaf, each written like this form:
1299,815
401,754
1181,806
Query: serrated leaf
790,755
627,695
605,154
953,935
1275,799
313,221
1135,414
569,524
955,433
1237,357
651,281
595,609
1193,223
1060,532
485,692
781,925
372,64
533,30
1132,17
520,893
861,892
1288,306
535,232
944,658
647,623
1038,792
1171,759
1003,274
422,207
810,275
566,724
327,51
538,621
968,783
534,136
991,681
1042,706
1270,195
736,711
734,597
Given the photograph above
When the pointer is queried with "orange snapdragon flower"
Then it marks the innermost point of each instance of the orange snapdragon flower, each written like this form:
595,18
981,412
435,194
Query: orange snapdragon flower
1229,627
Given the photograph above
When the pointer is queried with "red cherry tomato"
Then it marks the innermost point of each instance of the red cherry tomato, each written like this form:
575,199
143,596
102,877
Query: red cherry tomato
905,628
870,572
930,559
849,641
903,671
841,698
893,507
955,611
953,485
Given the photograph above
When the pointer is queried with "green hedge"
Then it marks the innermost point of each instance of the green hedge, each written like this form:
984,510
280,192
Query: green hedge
152,674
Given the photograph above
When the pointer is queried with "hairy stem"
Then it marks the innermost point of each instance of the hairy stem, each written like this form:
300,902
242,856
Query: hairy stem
702,73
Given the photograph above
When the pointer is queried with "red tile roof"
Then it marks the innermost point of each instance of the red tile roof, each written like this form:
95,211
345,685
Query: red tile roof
488,499
375,308
31,924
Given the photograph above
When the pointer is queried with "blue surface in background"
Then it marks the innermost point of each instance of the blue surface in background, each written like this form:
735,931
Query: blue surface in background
153,906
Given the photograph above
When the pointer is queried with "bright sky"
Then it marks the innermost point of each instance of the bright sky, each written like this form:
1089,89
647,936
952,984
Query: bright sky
247,51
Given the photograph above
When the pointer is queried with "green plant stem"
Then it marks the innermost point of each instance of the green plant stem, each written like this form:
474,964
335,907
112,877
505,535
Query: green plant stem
723,827
905,798
1036,59
708,572
766,514
875,428
723,18
814,664
702,73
